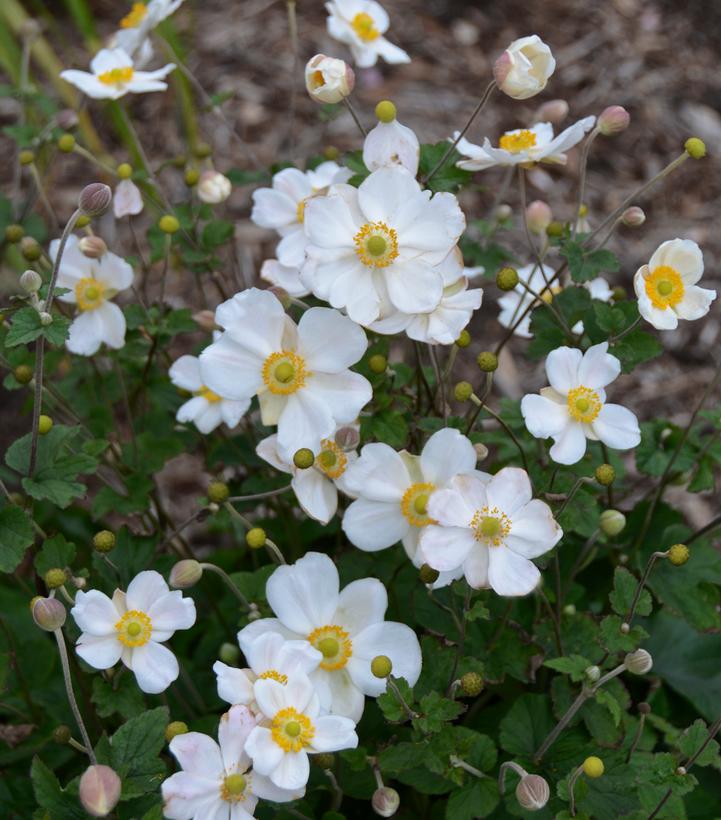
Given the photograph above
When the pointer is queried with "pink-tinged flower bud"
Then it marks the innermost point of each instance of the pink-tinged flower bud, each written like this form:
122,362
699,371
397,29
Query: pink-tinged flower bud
48,613
67,119
327,79
613,120
538,216
95,199
92,246
638,662
99,790
532,792
633,217
347,438
522,71
553,111
385,801
185,574
213,187
205,319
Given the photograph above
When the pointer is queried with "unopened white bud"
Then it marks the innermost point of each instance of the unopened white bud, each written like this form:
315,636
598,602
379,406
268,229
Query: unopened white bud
92,246
185,574
99,790
592,673
613,120
553,111
522,71
95,199
612,522
31,281
633,217
385,801
48,613
638,662
532,792
213,187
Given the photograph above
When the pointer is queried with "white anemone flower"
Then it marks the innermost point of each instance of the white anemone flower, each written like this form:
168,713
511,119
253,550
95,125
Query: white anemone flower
387,236
514,303
282,207
127,199
112,75
206,409
666,288
213,187
491,529
316,487
215,780
345,626
394,488
270,655
391,143
361,24
132,626
523,70
299,372
574,409
91,284
292,728
524,146
286,277
139,22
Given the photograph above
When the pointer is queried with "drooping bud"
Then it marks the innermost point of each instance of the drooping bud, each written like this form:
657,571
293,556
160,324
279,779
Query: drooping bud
487,361
95,199
471,684
427,574
553,111
555,229
619,293
218,492
463,391
593,767
327,79
613,120
169,224
229,653
644,708
347,438
31,281
48,613
99,790
66,143
378,363
92,246
612,522
678,554
481,451
503,212
255,538
46,318
538,217
191,177
324,760
532,792
638,662
381,666
214,187
104,541
633,217
67,119
185,574
205,319
507,278
385,801
62,734
592,673
14,233
175,728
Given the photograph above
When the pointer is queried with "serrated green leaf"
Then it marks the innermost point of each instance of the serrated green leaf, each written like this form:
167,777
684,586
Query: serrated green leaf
624,588
135,750
55,553
26,327
16,535
574,665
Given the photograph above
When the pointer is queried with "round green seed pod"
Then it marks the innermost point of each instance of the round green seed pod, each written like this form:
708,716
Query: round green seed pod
255,538
471,684
487,361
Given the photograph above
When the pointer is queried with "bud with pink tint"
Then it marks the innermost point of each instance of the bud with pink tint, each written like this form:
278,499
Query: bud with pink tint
538,216
48,613
522,71
327,79
185,574
613,120
92,246
99,790
95,199
633,217
553,111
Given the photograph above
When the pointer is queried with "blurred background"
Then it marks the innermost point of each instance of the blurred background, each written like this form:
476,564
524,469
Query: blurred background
657,58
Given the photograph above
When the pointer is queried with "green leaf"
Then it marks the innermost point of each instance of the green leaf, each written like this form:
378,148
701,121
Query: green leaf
526,725
448,177
217,233
477,799
135,750
574,665
690,741
624,588
121,696
49,794
56,553
435,711
585,265
389,427
635,348
605,698
573,303
390,705
616,641
26,327
16,535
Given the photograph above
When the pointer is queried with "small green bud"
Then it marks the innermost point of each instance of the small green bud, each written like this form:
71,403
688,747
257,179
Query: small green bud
30,249
55,578
593,767
202,150
218,492
507,278
26,157
678,554
605,474
31,281
378,363
464,339
427,574
169,224
125,170
463,391
592,673
229,653
619,293
554,228
192,175
381,666
325,760
569,609
303,458
14,233
45,425
82,221
330,152
695,147
487,361
104,541
386,111
23,373
175,728
185,574
66,143
612,522
255,538
471,684
62,734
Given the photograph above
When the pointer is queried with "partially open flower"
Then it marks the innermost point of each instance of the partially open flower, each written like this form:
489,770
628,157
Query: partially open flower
391,143
99,790
523,69
554,111
213,187
327,79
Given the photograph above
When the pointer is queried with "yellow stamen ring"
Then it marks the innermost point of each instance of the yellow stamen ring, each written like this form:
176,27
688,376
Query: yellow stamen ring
664,287
117,76
272,674
491,526
517,141
376,244
284,373
414,504
584,404
235,787
291,730
134,628
365,28
89,293
331,460
334,643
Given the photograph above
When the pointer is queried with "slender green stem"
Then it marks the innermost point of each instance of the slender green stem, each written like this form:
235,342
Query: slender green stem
509,764
503,424
256,496
582,178
228,581
580,481
457,763
716,522
65,663
636,737
391,684
642,583
571,786
351,110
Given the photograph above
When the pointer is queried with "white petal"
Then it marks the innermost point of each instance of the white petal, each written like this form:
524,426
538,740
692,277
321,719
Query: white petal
127,199
360,604
86,334
333,733
234,685
187,795
305,420
447,453
155,667
255,319
534,530
172,611
233,731
343,394
397,642
374,525
263,750
264,788
543,416
291,248
379,474
338,694
304,595
292,772
450,508
329,341
617,427
230,371
414,286
696,302
683,255
197,753
316,494
95,613
114,272
562,368
185,373
145,589
570,444
100,651
475,567
509,490
598,367
446,548
511,574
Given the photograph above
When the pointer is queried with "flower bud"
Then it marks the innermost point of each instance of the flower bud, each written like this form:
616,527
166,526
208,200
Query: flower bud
218,492
633,217
95,199
229,653
82,221
331,152
612,522
303,458
55,578
205,319
605,475
99,790
427,574
503,212
185,574
463,391
23,374
104,541
378,363
385,801
26,157
553,111
522,71
124,170
644,708
464,339
169,224
31,281
347,438
202,151
532,792
638,662
48,613
381,666
507,278
46,318
678,554
385,111
481,451
327,79
191,177
324,760
681,771
175,728
538,217
14,233
619,293
471,684
92,246
625,628
67,119
62,734
255,538
593,767
30,249
213,187
592,673
695,148
613,120
555,229
66,143
570,610
487,361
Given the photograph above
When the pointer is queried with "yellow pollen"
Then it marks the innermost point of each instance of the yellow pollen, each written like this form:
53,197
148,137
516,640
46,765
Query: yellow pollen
491,526
365,28
135,16
317,79
664,287
117,76
548,294
334,644
584,404
134,628
89,293
272,674
208,395
233,788
300,212
517,141
331,460
376,244
291,730
414,504
284,373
